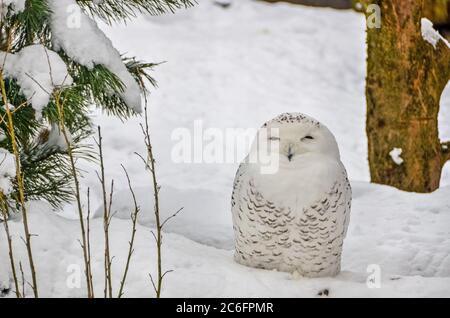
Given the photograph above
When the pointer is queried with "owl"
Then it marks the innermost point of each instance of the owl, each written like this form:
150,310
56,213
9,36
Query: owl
293,218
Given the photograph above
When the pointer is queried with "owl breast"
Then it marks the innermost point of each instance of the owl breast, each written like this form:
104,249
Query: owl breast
300,229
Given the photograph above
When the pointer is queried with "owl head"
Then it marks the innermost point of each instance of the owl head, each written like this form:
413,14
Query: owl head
295,136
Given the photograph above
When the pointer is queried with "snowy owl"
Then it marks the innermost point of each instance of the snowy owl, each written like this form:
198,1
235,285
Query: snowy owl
295,219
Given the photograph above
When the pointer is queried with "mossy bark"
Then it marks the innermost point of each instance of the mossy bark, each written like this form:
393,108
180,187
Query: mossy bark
405,79
436,10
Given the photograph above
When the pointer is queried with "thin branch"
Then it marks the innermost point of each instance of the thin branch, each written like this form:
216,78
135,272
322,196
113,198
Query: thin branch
171,217
39,84
167,272
153,283
154,236
23,279
150,164
106,217
111,194
4,210
60,109
20,184
134,217
88,238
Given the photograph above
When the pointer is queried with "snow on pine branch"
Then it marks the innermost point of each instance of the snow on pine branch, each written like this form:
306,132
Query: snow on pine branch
123,10
431,35
38,72
15,5
7,171
83,41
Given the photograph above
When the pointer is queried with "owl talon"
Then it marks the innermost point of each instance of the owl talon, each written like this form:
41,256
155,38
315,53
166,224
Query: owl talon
324,292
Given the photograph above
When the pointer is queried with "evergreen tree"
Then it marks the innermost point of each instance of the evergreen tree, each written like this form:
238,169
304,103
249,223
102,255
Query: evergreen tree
53,49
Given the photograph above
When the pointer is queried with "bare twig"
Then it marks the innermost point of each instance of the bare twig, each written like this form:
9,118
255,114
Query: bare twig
60,109
166,272
153,283
171,217
4,210
23,279
150,164
20,183
111,195
134,216
154,236
106,218
88,234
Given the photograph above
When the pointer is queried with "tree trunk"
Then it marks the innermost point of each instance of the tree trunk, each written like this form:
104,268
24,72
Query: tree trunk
436,10
405,79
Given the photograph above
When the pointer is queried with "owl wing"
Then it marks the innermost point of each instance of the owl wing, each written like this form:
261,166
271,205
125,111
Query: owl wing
346,200
260,226
332,210
320,232
237,184
238,189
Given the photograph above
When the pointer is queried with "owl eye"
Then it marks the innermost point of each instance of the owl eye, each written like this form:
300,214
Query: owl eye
274,138
308,138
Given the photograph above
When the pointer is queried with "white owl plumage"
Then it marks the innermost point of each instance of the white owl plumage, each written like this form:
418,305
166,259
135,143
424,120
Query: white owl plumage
295,219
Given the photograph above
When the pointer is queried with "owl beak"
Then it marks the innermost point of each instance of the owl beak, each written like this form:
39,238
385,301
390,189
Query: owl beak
290,154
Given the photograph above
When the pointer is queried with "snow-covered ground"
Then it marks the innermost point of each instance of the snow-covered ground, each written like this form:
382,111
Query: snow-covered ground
237,68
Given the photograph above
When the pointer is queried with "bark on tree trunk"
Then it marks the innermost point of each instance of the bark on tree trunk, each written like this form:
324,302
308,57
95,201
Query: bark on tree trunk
405,79
436,10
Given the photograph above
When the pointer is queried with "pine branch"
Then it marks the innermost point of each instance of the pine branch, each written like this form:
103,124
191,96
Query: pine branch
47,169
33,24
141,72
102,87
112,11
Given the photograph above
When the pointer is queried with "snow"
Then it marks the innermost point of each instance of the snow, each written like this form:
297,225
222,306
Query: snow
192,222
56,138
237,68
16,5
405,235
395,155
81,39
38,72
7,170
430,35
